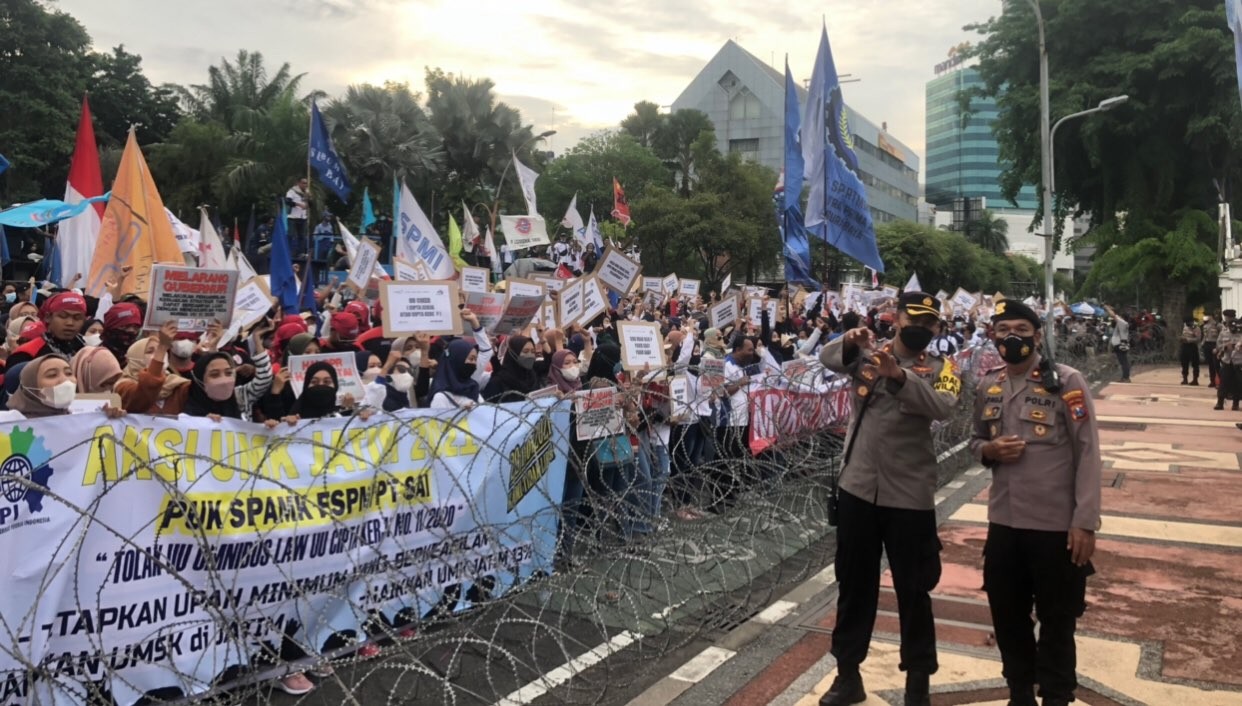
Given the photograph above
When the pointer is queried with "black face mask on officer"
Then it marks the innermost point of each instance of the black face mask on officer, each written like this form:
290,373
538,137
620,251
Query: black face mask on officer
917,332
1015,349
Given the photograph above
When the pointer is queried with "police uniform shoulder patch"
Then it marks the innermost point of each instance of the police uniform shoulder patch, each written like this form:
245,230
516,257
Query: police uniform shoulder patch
1076,401
995,390
948,380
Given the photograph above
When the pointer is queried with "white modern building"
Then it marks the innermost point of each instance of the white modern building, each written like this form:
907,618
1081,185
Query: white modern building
745,99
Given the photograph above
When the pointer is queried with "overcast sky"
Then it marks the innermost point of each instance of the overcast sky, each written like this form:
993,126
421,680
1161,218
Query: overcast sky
571,65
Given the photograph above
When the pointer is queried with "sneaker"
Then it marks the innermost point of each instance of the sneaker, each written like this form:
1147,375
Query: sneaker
296,684
368,651
847,689
322,671
406,634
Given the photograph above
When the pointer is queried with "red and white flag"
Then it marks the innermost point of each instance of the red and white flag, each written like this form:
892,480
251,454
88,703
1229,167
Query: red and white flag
77,236
620,205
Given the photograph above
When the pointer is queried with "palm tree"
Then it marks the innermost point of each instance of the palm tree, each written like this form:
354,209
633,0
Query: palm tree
234,87
382,132
644,123
989,232
268,153
675,144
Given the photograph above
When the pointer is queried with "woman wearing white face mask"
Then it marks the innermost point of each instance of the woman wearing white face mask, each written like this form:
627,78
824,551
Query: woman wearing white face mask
92,334
47,389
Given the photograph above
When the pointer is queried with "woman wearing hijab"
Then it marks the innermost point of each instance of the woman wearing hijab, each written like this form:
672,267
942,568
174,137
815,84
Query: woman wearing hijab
566,375
96,370
518,375
213,390
46,388
148,386
454,386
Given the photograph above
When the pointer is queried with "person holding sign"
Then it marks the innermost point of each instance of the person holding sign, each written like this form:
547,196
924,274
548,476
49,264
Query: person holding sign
212,390
519,374
887,493
462,372
46,387
318,398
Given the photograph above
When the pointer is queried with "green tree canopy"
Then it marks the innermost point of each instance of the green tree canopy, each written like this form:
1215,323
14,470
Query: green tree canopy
239,87
588,169
121,96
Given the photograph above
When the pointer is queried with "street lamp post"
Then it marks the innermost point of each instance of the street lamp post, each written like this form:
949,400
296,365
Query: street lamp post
496,200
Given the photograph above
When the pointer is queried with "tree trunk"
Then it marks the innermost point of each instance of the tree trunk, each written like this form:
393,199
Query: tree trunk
1174,309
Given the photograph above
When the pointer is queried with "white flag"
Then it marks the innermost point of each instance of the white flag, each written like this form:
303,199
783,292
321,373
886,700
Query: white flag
417,240
490,243
526,176
238,261
189,240
469,231
351,250
573,221
913,285
594,235
210,247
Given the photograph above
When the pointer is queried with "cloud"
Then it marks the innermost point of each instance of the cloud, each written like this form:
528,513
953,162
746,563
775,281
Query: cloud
571,65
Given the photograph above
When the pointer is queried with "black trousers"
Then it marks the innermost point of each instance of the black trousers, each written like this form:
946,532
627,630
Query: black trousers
1025,568
1190,358
1209,357
913,548
1123,359
1230,385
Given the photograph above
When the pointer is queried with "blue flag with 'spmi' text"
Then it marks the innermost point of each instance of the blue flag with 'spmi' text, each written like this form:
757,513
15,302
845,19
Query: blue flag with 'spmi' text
323,157
837,209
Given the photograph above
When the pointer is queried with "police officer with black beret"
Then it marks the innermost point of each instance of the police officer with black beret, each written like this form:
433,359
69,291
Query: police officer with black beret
1035,427
887,493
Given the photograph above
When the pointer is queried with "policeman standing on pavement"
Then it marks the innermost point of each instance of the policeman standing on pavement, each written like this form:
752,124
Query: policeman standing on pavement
886,497
1229,355
1038,434
1211,333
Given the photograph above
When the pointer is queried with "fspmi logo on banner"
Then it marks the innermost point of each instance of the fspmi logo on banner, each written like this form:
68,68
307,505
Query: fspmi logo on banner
24,474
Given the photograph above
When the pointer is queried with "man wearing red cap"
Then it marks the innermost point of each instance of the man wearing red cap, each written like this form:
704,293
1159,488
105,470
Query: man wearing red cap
361,312
342,334
63,314
122,324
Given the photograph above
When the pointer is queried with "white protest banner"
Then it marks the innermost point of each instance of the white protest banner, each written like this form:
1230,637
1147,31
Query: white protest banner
363,266
571,303
526,288
420,307
228,535
617,272
725,284
251,303
723,313
598,414
405,271
488,306
641,345
190,296
690,287
652,284
670,285
594,300
349,382
754,310
520,309
523,232
679,398
711,373
474,279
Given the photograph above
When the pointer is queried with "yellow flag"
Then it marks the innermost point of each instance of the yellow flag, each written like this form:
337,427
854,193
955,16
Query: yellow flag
135,232
454,246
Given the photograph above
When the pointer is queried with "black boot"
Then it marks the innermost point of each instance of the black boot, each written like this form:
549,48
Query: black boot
846,689
1235,405
1184,380
1022,695
1194,383
917,685
1220,404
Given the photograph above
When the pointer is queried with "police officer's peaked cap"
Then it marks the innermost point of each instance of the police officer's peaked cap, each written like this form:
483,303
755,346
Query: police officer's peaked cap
919,304
1010,310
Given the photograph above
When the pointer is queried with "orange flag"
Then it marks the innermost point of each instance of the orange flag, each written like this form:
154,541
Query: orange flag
135,230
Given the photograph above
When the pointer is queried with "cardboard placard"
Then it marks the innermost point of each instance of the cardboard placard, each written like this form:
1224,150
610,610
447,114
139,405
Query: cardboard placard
964,300
711,373
363,266
526,287
754,310
349,382
679,399
420,307
594,300
651,284
474,279
723,313
642,344
616,271
549,391
550,282
190,296
84,403
405,271
251,303
571,303
547,313
690,287
890,291
519,310
670,283
726,282
598,414
488,306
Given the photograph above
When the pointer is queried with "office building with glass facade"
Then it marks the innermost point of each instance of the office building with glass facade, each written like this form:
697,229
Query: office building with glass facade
745,99
963,159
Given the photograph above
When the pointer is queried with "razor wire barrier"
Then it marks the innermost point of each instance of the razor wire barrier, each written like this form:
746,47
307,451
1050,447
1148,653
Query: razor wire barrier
157,560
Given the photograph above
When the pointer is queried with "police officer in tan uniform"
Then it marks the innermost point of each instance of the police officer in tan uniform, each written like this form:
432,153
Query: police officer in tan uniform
1229,353
887,489
1211,333
1038,434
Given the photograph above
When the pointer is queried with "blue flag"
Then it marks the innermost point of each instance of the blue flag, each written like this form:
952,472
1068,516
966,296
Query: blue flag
368,210
323,157
307,297
4,164
284,282
1233,13
37,214
837,209
4,248
789,212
